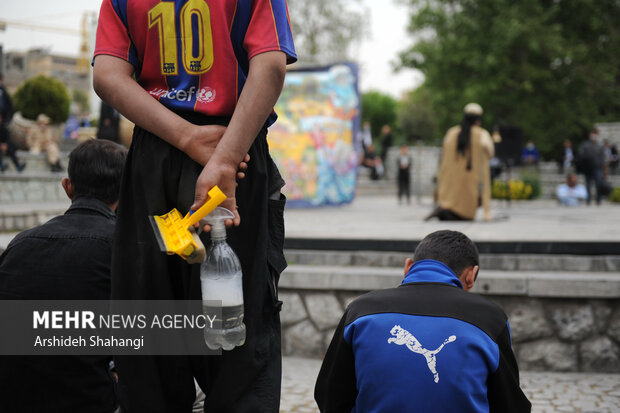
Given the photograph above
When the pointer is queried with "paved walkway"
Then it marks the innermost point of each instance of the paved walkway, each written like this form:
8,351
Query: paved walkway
548,392
380,217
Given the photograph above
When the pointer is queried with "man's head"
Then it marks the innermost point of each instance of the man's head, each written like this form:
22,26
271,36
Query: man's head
472,113
594,134
95,169
452,248
43,119
571,180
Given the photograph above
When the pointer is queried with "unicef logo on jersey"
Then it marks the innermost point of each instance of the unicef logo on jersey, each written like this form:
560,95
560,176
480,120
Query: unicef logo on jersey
204,95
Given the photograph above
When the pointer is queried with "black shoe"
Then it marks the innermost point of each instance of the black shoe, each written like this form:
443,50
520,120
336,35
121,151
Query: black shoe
21,166
3,167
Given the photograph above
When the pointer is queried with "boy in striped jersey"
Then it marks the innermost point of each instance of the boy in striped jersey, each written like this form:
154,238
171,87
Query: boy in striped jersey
199,78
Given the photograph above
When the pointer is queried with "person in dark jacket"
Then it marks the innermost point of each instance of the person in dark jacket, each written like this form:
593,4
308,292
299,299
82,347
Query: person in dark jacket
67,258
591,162
425,346
404,175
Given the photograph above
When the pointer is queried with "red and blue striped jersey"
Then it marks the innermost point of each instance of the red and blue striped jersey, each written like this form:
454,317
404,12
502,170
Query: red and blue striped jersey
193,55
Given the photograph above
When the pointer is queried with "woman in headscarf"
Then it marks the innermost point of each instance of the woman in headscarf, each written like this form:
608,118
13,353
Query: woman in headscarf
464,180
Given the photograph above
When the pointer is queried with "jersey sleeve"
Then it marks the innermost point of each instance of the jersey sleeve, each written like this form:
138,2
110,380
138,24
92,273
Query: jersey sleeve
112,34
269,30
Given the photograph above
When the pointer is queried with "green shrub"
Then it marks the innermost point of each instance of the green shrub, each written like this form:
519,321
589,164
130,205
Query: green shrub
533,180
615,195
43,94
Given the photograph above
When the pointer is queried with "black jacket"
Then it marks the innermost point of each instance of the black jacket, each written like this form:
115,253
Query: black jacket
67,258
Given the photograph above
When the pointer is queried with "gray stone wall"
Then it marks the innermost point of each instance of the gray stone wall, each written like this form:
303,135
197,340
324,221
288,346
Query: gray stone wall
549,334
610,130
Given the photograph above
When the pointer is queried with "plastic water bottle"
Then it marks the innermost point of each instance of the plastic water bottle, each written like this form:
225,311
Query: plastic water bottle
221,282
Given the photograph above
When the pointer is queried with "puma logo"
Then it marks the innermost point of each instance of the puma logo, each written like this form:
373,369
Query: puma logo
402,336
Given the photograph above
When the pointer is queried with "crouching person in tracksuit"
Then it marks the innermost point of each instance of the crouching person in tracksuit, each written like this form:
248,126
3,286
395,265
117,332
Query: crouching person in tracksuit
425,346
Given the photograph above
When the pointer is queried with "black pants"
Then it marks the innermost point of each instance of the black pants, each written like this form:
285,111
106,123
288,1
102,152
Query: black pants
403,185
11,152
157,178
594,177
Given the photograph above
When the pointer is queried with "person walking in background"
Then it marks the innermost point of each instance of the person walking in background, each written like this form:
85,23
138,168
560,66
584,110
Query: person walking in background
201,94
611,158
67,258
404,173
365,139
464,179
386,141
6,104
373,162
567,156
39,138
591,163
426,346
8,148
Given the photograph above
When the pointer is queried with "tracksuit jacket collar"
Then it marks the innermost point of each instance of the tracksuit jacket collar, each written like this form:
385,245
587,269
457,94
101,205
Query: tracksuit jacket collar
431,271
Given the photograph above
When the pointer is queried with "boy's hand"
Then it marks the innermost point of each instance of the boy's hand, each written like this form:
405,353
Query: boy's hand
201,144
222,174
202,140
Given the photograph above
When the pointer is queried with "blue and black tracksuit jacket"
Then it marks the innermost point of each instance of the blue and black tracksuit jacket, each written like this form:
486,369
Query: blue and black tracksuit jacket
425,346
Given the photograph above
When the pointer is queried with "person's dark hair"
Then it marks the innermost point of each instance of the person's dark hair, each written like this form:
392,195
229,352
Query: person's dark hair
463,140
452,248
95,169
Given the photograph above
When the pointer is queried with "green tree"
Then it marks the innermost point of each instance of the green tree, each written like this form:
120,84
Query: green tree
416,118
81,99
379,109
549,66
42,94
326,30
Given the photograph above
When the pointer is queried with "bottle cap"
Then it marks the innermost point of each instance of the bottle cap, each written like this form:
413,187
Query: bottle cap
216,219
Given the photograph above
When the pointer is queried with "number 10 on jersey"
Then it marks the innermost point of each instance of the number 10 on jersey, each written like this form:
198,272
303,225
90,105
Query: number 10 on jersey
196,60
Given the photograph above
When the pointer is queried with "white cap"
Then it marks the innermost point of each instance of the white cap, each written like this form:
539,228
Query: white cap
473,109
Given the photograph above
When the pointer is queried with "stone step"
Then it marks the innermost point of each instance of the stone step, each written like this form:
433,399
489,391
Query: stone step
67,145
16,217
503,262
35,162
31,187
595,285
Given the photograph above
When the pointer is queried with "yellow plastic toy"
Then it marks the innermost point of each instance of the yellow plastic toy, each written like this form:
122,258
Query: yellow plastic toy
176,235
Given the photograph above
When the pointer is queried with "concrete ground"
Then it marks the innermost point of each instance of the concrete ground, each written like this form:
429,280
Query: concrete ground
380,217
548,392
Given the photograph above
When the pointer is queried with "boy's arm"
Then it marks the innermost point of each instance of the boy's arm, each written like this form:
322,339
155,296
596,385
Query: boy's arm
258,97
114,83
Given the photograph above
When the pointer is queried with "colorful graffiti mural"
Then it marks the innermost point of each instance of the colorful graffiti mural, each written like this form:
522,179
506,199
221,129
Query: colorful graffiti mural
313,141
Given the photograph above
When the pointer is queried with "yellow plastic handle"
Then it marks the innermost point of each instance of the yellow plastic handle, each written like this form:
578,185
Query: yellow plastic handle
216,197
